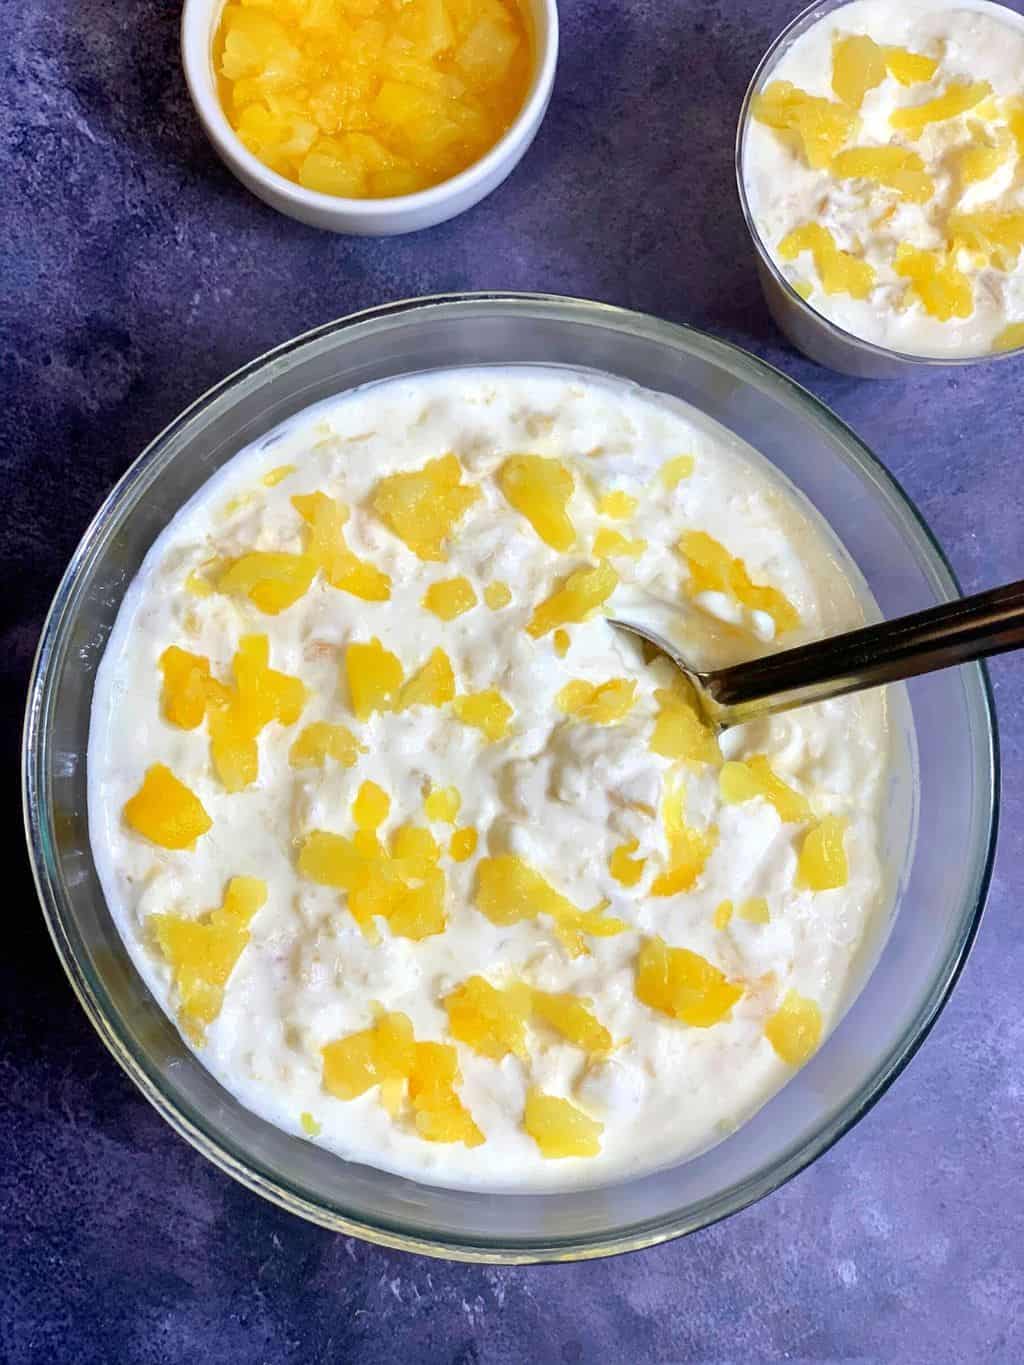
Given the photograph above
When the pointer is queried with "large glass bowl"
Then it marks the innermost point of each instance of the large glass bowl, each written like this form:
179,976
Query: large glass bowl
942,889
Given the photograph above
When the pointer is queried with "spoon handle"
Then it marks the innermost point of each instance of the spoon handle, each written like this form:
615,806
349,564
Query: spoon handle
953,633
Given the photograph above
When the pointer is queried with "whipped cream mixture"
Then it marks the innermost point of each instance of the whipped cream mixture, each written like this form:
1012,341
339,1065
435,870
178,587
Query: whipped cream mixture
973,162
558,792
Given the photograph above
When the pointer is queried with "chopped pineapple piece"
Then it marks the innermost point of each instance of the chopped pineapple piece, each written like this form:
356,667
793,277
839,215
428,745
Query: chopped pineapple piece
270,579
497,595
822,864
186,678
579,596
754,910
236,715
275,476
956,99
1010,337
608,542
1013,111
820,126
490,1021
165,811
600,704
626,869
415,847
571,1016
683,985
310,1126
423,506
559,1128
371,806
674,471
320,741
897,168
839,271
433,683
561,642
487,711
202,953
344,570
988,150
450,598
943,290
713,569
688,849
440,1114
540,489
743,781
802,288
617,504
909,68
374,678
998,233
858,65
509,890
722,915
463,844
679,730
442,804
794,1030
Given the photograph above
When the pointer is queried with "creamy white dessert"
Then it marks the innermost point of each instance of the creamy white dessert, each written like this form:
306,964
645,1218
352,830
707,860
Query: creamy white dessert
883,169
483,831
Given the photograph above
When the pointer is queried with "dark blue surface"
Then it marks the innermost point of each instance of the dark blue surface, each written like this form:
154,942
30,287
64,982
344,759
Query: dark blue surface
135,272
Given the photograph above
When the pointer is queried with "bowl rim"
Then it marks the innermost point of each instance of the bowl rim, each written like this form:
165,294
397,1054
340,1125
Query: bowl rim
505,153
800,23
104,1017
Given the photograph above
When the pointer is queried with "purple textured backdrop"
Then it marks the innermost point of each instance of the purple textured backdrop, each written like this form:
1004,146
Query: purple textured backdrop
134,272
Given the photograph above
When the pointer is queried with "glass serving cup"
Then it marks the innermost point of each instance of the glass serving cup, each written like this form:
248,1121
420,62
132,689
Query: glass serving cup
810,331
942,887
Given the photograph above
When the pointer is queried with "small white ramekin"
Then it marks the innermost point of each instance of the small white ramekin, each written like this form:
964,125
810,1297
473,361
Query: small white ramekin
366,217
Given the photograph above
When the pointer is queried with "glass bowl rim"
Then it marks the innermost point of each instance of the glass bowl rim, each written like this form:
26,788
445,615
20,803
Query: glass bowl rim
104,1017
801,22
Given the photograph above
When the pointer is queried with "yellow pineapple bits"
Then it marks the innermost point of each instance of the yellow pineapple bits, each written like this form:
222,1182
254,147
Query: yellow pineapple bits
802,288
271,579
743,781
617,504
423,506
236,715
571,1016
561,642
165,811
626,869
186,678
326,518
371,806
683,985
463,844
415,847
433,683
540,489
1010,337
794,1030
321,741
957,98
897,168
754,910
1013,111
674,471
442,804
608,542
559,1128
944,291
722,915
450,598
497,595
598,703
822,864
509,890
820,126
202,953
858,65
688,849
988,150
374,677
838,271
579,596
275,476
713,569
197,585
440,1114
998,233
490,1021
909,68
310,1126
679,730
367,99
486,711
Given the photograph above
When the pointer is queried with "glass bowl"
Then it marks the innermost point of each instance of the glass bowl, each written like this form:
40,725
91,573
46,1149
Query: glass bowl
942,886
818,337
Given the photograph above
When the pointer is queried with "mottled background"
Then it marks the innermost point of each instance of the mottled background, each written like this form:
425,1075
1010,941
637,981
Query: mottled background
135,272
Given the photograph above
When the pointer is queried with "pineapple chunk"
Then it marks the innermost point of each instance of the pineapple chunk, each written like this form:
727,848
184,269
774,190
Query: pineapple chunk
987,151
490,1021
820,126
310,1126
722,915
674,471
320,741
450,598
608,542
794,1030
186,678
754,910
679,730
713,569
743,781
416,847
202,953
343,570
497,595
509,890
371,806
385,1052
422,507
897,168
271,579
559,1128
442,804
617,505
1010,337
956,99
688,849
683,985
560,640
486,54
858,65
822,864
579,597
433,683
999,233
440,1114
571,1016
374,677
626,869
540,489
236,715
463,844
839,271
275,476
909,68
943,290
487,711
599,704
165,811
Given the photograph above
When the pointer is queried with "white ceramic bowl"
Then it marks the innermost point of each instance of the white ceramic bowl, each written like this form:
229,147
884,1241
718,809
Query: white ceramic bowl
366,217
